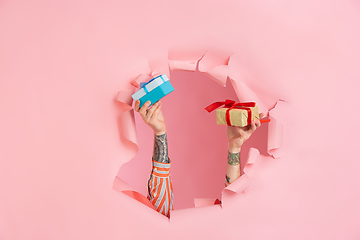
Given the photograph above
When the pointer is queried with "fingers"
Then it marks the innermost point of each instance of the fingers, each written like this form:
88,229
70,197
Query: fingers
151,112
252,127
154,117
137,106
148,113
157,111
255,124
143,109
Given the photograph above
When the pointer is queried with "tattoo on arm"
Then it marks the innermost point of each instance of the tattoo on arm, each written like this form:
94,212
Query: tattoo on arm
160,153
227,178
233,158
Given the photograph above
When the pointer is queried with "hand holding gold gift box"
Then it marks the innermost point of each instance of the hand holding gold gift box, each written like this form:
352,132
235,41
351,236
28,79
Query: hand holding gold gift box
235,114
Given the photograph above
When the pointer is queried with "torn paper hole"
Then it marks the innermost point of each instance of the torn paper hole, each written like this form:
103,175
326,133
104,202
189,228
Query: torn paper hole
217,72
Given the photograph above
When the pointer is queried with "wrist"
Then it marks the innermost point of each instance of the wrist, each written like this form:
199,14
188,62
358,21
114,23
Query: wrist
160,132
234,148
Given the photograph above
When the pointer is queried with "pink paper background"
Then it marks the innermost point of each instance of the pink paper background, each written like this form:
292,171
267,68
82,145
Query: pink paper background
62,64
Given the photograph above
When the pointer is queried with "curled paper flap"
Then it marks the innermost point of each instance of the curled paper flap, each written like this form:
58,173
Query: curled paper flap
128,127
139,197
123,187
182,65
184,60
245,94
215,65
275,130
139,79
239,185
213,59
237,70
275,137
158,62
252,157
124,97
128,134
156,73
219,74
127,117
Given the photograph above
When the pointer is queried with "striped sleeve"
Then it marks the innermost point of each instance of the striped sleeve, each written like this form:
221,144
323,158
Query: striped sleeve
160,191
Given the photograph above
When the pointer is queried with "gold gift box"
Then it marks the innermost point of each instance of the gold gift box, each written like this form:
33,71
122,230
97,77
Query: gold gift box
238,117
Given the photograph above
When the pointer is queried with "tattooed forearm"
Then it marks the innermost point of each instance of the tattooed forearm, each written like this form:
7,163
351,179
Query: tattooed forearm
160,153
233,158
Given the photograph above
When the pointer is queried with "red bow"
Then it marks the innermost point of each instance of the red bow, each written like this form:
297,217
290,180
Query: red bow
230,104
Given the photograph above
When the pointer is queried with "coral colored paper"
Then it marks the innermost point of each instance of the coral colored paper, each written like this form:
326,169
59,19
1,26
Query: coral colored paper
64,135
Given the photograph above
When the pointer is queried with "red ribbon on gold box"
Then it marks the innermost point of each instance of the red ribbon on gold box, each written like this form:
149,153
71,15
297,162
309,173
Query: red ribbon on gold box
234,114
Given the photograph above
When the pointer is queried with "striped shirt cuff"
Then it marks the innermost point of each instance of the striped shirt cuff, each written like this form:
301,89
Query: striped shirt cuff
160,190
160,169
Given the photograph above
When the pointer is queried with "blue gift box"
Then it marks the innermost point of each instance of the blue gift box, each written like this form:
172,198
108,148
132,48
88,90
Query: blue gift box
153,90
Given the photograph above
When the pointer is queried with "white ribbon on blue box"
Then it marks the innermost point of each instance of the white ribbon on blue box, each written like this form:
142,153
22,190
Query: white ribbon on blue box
157,88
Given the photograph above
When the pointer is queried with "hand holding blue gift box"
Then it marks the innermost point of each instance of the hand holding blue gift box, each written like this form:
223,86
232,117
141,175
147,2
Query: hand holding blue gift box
157,88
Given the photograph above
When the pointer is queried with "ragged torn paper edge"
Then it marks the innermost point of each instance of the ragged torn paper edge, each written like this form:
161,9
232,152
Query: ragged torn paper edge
219,67
276,129
128,130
